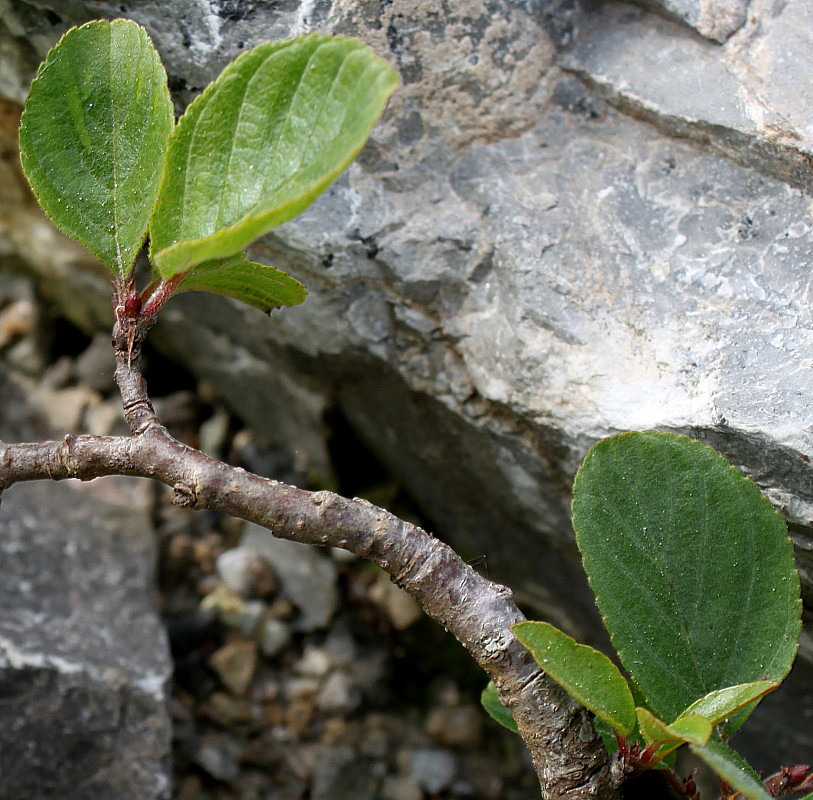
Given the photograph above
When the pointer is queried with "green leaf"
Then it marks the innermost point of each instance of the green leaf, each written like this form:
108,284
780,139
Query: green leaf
718,705
490,698
692,728
262,142
733,768
691,567
93,136
586,674
264,287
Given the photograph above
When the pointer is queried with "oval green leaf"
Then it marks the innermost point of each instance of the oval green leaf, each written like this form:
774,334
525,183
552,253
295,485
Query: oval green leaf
93,136
258,285
719,705
586,674
692,728
262,142
733,768
490,698
691,567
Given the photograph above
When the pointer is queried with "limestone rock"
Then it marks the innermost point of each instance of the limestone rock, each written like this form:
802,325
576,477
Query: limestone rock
84,665
749,99
714,19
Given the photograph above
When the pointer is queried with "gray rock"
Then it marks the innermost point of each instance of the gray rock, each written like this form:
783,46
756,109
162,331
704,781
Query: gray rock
274,637
455,726
338,694
235,664
95,365
400,787
246,619
246,572
307,578
714,19
219,757
339,774
84,663
433,769
315,663
748,100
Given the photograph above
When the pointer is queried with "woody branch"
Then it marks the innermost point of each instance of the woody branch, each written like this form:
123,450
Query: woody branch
569,758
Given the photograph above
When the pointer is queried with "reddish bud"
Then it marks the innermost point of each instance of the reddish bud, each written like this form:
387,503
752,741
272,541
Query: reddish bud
691,787
132,305
796,773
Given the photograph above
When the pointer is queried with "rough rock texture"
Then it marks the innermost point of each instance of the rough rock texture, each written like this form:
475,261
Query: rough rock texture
714,19
571,222
84,665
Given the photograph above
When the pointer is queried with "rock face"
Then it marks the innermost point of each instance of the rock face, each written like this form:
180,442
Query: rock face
84,665
572,221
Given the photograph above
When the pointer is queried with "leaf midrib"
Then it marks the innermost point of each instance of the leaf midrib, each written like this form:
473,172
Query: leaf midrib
114,140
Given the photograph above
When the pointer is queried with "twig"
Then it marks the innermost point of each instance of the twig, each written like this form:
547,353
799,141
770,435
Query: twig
569,757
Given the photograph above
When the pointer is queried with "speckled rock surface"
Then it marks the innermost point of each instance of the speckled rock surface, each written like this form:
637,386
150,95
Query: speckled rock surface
714,19
84,665
571,222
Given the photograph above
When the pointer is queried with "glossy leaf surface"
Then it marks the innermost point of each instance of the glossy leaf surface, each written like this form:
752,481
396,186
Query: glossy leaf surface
692,728
718,705
586,674
93,137
733,768
490,698
262,142
691,567
258,285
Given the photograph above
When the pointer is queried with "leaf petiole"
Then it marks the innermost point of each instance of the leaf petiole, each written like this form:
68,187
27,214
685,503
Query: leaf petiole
157,294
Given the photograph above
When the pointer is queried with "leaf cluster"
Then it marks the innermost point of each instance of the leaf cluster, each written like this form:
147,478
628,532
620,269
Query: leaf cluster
693,573
109,166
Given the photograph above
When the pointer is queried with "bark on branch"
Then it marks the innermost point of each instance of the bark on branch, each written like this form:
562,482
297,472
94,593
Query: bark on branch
570,759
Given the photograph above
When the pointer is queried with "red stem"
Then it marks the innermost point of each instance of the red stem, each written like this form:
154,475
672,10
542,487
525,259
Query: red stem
157,295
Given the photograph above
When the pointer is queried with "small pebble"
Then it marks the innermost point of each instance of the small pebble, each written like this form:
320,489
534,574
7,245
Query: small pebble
307,577
65,408
227,710
16,320
234,664
315,663
400,787
401,609
216,758
298,688
190,788
247,618
455,726
96,365
274,637
213,434
338,694
433,769
246,572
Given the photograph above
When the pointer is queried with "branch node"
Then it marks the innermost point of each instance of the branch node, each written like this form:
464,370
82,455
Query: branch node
63,456
184,496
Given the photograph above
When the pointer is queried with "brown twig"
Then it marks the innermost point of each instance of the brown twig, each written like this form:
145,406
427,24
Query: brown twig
570,759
